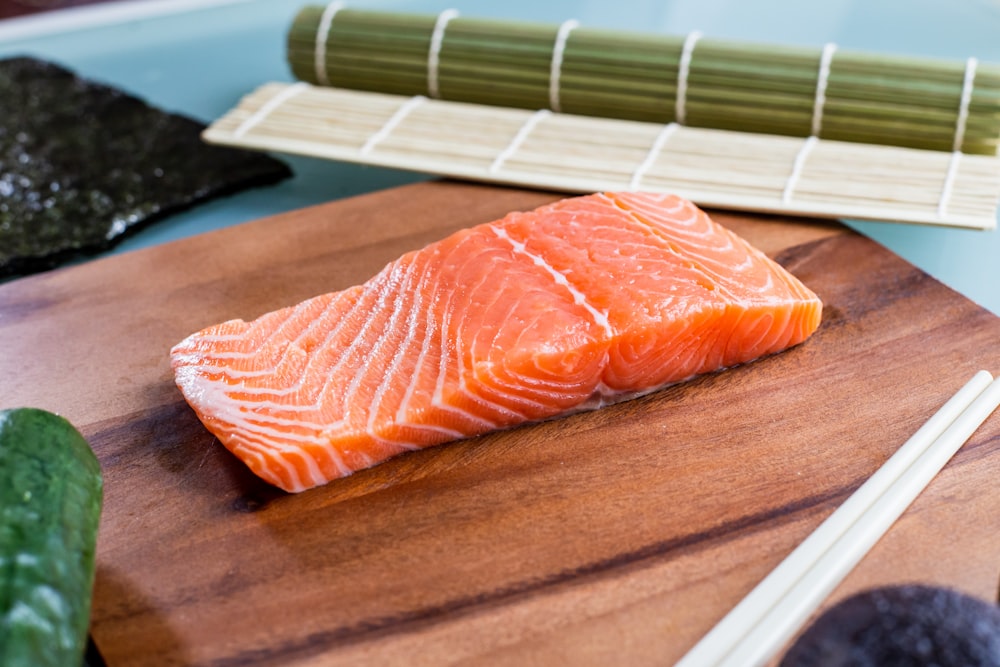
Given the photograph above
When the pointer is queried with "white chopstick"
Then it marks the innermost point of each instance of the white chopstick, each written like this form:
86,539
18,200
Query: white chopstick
757,628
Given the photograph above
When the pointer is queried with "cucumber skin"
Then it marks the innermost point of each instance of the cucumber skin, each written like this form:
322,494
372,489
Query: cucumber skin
51,491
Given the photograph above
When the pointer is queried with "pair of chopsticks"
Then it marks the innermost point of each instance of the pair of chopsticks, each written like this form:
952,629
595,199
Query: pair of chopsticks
770,615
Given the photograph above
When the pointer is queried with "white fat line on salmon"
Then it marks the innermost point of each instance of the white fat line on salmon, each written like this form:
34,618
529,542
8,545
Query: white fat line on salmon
662,136
651,216
706,266
257,439
321,393
523,390
434,51
310,465
401,287
660,199
501,379
281,332
819,102
648,219
330,450
369,461
483,371
968,81
202,390
374,295
507,414
412,324
263,407
516,388
430,326
487,374
401,113
451,357
683,71
252,420
784,325
269,107
221,356
518,139
273,440
540,399
266,456
437,398
601,319
204,364
444,434
322,35
234,374
555,68
248,450
215,338
197,361
318,355
797,167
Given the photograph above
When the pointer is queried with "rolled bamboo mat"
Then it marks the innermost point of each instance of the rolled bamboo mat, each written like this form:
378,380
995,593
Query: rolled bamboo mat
693,80
579,153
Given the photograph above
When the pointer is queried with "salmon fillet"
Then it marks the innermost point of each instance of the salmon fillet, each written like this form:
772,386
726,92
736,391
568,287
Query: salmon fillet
578,304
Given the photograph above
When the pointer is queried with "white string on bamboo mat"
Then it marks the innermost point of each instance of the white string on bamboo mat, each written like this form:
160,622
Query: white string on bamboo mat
661,139
269,107
402,112
968,81
949,183
683,71
518,139
322,34
434,52
963,105
797,167
821,82
555,69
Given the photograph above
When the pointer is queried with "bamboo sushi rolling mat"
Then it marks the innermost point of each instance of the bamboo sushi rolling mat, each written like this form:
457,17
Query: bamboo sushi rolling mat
821,133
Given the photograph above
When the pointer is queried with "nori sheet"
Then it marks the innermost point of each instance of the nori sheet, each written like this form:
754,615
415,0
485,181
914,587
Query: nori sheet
82,164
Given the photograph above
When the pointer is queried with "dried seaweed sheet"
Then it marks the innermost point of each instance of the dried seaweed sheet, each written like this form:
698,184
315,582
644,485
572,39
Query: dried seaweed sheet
82,164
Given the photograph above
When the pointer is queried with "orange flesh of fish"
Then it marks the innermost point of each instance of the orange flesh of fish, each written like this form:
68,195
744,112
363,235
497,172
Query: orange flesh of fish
581,303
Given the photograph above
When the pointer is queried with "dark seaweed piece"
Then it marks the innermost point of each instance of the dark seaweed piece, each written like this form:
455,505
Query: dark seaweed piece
902,626
82,164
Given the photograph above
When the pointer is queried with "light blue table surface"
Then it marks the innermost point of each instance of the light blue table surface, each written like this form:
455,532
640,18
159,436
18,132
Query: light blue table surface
199,58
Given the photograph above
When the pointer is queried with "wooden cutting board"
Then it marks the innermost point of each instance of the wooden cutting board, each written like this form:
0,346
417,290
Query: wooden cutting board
614,537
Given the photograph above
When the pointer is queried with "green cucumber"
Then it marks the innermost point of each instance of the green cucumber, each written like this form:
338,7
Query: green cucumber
50,504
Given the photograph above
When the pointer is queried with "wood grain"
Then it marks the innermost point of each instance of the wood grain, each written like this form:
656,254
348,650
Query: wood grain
613,537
